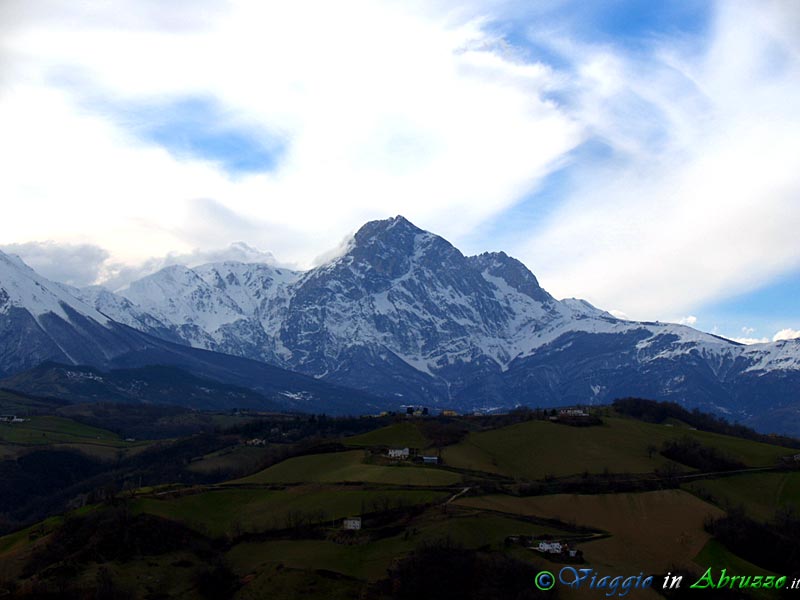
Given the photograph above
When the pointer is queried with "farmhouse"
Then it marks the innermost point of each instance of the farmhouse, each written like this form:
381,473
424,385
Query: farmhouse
573,412
352,523
398,453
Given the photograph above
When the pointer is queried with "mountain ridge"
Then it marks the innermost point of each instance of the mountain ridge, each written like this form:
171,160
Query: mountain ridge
403,314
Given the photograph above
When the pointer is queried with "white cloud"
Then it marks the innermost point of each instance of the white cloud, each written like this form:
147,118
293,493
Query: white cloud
689,320
748,330
384,110
399,108
750,340
786,334
699,199
73,264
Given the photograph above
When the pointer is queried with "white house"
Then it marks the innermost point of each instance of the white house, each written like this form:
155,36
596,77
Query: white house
399,453
352,523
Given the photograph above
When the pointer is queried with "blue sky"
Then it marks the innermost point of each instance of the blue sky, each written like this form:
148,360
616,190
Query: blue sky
642,155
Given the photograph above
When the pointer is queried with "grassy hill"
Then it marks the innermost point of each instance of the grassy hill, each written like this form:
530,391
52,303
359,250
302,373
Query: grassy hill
59,433
759,494
665,527
277,532
349,466
50,430
228,511
397,435
370,559
536,449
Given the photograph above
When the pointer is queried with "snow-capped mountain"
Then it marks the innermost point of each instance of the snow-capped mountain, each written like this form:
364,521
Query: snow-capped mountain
46,322
400,314
403,313
227,307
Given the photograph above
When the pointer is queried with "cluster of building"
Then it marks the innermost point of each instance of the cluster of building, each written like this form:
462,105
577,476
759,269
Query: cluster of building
556,548
563,550
413,454
11,419
256,442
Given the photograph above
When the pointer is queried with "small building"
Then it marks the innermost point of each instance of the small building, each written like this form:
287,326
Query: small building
430,460
573,412
398,453
449,413
352,523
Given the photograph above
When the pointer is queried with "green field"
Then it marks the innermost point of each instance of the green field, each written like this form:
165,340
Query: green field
52,430
664,527
760,494
397,435
241,459
370,559
17,547
349,466
232,511
718,556
536,449
277,582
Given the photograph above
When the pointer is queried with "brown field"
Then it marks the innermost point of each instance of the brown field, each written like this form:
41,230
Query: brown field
664,527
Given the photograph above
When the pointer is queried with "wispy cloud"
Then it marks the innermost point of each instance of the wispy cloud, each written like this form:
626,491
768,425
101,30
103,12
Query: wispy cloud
381,108
676,152
73,264
697,198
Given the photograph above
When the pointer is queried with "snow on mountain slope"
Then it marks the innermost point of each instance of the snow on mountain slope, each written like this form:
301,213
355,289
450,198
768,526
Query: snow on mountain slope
45,322
21,286
399,293
775,356
227,307
119,309
403,313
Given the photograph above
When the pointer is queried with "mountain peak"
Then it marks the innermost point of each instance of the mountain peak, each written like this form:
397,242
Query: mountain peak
513,272
393,227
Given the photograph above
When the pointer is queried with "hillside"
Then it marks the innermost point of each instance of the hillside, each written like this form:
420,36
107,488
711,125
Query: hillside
511,481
